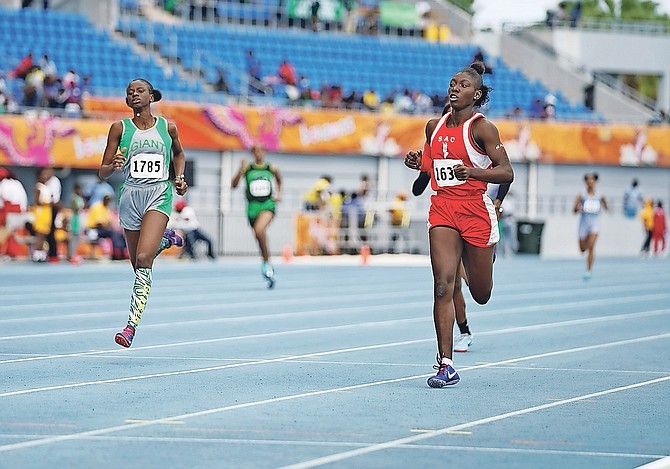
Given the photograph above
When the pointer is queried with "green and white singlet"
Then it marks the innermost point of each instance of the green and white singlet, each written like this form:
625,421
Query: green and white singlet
148,152
146,172
259,190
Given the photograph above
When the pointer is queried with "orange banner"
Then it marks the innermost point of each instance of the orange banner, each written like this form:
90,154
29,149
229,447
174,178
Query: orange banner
39,141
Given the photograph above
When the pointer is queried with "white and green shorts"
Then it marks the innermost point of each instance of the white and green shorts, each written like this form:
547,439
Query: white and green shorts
136,201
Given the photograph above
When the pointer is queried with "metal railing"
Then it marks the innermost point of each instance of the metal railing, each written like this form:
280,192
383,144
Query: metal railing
579,67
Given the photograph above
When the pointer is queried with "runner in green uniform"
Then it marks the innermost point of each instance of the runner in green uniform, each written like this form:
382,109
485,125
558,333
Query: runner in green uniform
142,148
262,197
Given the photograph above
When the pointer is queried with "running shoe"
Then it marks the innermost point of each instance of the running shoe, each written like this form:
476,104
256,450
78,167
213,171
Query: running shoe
586,276
268,273
445,376
170,238
462,342
125,337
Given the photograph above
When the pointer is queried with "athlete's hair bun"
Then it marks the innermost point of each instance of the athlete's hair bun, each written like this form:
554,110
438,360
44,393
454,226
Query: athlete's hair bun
478,67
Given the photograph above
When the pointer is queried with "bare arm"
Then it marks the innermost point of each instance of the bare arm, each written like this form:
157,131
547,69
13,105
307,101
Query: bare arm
178,160
486,135
604,202
239,174
278,178
112,158
578,204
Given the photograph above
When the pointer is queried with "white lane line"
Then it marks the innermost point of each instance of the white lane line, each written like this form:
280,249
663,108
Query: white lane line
339,444
663,463
217,305
210,321
297,298
333,458
336,310
570,322
107,430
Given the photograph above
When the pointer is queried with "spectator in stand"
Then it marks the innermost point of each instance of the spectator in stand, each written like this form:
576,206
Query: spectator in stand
515,114
660,229
287,73
96,191
536,110
318,195
364,190
52,91
387,106
77,205
316,24
55,188
371,100
48,66
23,68
86,88
352,210
575,14
423,104
633,200
403,103
352,101
100,225
255,73
42,209
647,216
13,206
549,111
33,90
184,219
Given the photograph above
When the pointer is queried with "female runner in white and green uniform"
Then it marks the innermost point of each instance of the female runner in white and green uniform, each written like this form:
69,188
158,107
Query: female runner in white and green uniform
142,148
262,198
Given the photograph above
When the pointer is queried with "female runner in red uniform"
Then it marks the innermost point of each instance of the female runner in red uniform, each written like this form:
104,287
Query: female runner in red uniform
462,153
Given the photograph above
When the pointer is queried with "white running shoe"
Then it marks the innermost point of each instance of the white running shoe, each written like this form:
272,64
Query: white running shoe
462,342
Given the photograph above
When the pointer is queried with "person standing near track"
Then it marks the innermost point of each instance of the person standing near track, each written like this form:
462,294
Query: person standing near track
142,148
462,153
589,204
262,197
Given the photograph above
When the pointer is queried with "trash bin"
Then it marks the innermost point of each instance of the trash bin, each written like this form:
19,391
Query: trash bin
529,235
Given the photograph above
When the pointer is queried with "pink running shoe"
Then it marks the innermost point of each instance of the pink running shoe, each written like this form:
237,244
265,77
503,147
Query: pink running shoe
125,337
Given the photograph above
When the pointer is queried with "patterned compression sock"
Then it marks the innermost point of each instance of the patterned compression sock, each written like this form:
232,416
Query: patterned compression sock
165,243
138,300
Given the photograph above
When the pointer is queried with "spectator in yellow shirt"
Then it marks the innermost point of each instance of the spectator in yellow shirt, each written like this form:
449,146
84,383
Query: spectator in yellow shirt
317,196
647,215
99,224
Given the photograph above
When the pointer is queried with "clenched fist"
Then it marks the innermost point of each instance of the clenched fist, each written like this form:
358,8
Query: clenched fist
413,160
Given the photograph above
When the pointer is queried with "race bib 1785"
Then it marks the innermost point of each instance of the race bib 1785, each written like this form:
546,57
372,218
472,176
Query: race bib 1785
146,166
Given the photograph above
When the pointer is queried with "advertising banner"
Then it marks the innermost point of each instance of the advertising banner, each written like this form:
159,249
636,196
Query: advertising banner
32,140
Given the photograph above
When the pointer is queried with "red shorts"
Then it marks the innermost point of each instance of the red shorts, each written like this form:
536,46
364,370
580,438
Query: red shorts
473,217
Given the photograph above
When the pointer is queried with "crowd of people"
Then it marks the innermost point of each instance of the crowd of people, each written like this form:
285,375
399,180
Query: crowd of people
55,228
43,86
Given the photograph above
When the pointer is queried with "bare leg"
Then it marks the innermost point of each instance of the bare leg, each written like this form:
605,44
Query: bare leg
459,300
260,229
445,254
478,263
